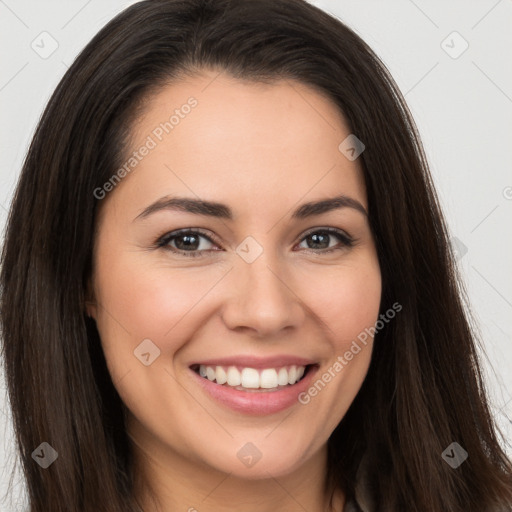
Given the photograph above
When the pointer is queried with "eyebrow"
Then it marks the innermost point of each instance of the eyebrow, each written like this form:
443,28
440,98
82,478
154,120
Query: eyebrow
222,211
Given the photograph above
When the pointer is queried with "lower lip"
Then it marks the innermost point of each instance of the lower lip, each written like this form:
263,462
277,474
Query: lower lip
257,403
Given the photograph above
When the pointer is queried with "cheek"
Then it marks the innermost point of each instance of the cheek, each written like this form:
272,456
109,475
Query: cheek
347,300
149,303
139,301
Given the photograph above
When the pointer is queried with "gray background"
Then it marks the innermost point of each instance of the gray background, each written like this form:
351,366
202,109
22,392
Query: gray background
461,100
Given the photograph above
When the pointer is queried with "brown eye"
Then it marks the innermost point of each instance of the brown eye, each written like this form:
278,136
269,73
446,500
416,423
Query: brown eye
186,242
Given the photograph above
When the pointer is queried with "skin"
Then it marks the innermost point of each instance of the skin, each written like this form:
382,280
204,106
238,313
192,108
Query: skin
262,149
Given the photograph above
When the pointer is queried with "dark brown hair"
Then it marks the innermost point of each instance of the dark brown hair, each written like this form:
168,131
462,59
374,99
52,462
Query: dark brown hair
424,389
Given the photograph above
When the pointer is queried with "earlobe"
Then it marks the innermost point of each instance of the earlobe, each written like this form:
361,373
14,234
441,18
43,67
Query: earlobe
90,309
90,303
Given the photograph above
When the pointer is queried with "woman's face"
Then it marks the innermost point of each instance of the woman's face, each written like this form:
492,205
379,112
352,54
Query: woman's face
258,286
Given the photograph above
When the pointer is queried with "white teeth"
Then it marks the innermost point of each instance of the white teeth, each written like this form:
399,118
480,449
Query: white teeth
210,373
282,377
250,378
268,379
220,375
292,375
234,377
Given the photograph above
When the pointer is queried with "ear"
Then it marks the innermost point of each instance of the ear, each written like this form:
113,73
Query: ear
90,300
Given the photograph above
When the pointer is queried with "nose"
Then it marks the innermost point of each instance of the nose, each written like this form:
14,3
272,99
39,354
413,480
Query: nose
264,299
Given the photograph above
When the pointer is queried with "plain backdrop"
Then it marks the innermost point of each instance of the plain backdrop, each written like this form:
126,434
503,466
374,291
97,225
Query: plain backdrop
450,59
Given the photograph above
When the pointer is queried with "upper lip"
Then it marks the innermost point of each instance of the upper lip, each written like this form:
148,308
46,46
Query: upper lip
256,362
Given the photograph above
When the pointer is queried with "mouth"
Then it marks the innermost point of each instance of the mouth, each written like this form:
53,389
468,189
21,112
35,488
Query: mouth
260,388
253,380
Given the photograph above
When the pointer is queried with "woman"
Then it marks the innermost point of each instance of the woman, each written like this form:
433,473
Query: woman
226,280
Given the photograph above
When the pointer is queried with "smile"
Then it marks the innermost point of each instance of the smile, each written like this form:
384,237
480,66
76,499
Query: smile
251,379
255,387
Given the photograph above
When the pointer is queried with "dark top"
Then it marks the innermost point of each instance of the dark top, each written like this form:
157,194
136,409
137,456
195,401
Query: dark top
363,501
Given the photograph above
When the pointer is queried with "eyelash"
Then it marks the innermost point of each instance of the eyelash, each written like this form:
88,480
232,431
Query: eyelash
163,241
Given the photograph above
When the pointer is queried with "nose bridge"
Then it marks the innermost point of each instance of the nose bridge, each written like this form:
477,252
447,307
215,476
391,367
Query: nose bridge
263,298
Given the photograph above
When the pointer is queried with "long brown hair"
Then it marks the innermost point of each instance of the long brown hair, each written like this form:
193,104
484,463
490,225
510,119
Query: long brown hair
424,388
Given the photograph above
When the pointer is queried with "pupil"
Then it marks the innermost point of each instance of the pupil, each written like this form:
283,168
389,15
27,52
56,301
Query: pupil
188,243
316,238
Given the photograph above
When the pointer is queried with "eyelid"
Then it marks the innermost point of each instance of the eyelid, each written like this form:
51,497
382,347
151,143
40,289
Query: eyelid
162,240
335,231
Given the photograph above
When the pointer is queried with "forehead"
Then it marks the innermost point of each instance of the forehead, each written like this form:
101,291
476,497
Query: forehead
212,135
